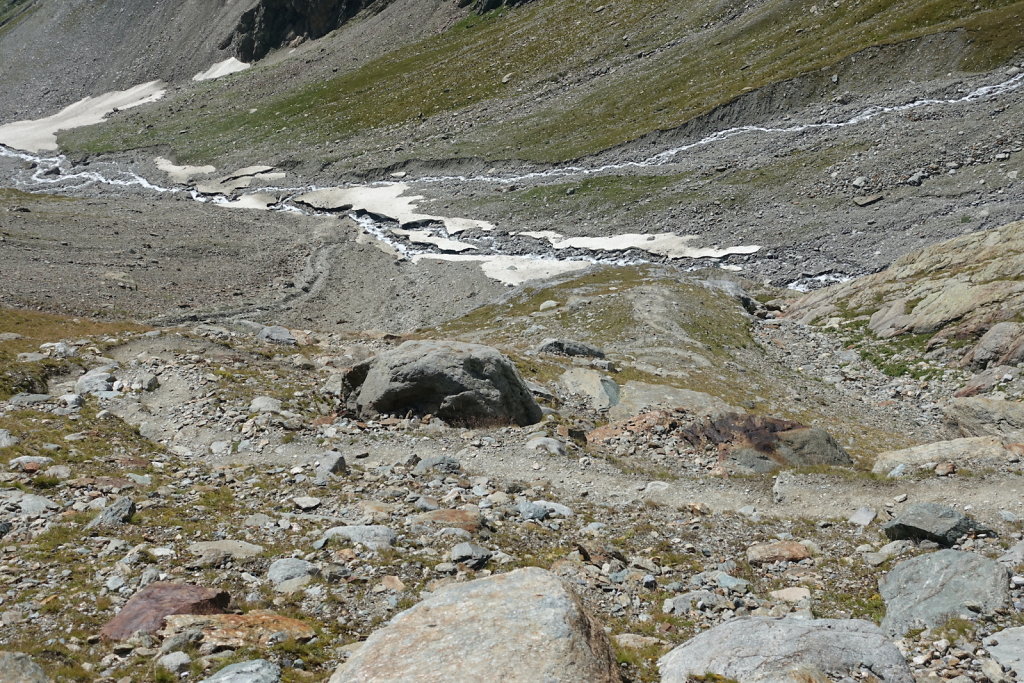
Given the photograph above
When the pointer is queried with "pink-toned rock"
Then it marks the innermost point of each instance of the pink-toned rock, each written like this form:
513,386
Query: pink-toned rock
147,609
782,551
470,520
256,629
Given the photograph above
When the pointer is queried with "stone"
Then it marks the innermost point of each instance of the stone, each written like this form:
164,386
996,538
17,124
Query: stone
289,568
776,650
470,554
29,463
252,671
265,404
862,517
275,334
931,521
306,502
116,514
7,439
981,416
216,553
257,629
437,463
147,609
533,511
373,536
97,380
32,505
1006,647
333,462
600,390
175,662
781,551
522,626
555,509
927,590
545,444
463,384
984,449
17,667
566,347
1002,344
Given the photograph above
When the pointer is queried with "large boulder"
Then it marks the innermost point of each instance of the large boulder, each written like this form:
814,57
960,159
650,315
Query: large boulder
978,416
779,650
252,671
1003,344
930,522
464,384
521,626
928,590
1007,648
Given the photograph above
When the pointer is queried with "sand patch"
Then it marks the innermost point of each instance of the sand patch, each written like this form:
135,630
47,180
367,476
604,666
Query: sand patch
40,135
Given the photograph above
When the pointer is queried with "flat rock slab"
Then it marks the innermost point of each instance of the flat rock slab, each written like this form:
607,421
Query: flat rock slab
928,590
1007,648
213,553
762,649
148,608
373,536
469,520
522,626
782,551
253,671
234,631
17,667
930,522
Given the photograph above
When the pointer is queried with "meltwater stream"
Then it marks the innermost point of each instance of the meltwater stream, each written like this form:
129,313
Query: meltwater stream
56,174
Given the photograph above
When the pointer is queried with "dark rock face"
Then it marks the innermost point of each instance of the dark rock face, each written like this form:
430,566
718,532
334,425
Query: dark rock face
272,23
149,607
933,522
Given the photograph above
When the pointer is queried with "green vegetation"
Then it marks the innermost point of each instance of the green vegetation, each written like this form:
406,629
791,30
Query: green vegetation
633,68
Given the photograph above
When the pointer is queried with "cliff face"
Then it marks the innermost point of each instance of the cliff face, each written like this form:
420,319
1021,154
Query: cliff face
272,23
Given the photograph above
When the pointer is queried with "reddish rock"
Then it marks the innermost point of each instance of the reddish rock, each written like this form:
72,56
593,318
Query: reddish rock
147,609
233,631
462,519
783,551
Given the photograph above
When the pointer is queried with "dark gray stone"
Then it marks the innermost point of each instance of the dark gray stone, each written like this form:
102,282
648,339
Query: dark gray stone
931,521
117,513
464,384
928,590
566,347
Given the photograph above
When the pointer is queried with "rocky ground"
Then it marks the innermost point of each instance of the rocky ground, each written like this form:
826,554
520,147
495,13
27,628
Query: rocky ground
235,498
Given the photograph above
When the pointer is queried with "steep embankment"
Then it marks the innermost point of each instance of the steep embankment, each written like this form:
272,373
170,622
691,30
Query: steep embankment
548,81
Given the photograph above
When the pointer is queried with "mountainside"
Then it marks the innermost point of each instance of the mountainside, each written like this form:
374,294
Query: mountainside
473,340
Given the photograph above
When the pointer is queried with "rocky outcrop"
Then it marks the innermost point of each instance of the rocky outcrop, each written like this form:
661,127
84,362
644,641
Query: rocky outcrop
521,626
928,590
273,23
959,289
463,384
980,416
989,450
931,522
778,650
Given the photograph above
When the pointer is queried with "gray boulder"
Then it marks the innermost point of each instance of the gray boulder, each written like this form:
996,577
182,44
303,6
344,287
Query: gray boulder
7,439
762,649
521,626
117,513
928,590
1003,344
97,380
566,347
465,384
1007,648
275,334
253,671
289,568
17,667
931,522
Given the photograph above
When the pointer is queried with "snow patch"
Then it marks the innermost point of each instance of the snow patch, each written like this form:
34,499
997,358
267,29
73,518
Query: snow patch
228,66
